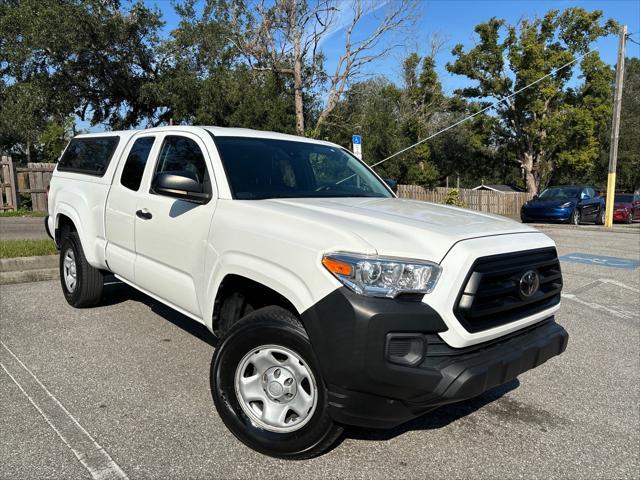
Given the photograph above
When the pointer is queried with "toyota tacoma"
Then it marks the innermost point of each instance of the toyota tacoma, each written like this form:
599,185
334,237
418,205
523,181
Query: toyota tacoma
335,302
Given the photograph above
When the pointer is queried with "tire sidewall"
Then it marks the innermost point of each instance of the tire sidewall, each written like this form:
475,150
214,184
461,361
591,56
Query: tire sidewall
68,243
225,361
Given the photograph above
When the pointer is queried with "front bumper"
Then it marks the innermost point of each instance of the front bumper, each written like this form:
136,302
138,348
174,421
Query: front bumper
549,214
348,334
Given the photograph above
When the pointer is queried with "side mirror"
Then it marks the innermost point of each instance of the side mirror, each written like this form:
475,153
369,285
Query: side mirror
393,184
535,197
179,185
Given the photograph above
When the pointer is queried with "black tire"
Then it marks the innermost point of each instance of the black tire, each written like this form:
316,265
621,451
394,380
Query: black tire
575,217
270,326
629,218
87,291
600,217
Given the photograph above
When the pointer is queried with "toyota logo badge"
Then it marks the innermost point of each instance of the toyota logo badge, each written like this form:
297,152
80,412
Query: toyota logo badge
529,283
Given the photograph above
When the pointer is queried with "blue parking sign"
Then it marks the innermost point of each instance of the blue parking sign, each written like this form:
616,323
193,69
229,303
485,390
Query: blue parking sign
356,139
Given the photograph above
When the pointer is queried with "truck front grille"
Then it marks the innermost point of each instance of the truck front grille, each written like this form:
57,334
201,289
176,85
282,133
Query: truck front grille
495,293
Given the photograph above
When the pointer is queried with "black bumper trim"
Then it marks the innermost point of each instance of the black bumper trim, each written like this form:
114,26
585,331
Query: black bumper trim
46,227
462,377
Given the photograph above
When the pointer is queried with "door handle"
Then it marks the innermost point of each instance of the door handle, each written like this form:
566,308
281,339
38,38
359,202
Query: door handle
144,214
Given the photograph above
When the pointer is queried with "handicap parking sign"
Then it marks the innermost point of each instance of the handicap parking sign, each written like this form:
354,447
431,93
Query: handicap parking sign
356,139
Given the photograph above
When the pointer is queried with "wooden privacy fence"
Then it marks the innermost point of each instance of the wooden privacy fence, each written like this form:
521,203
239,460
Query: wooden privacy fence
31,180
8,197
481,200
34,180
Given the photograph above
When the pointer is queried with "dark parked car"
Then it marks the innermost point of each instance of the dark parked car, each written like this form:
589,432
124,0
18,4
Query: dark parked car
626,207
570,204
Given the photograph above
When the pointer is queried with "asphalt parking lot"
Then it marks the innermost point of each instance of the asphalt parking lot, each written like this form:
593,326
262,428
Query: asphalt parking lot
132,377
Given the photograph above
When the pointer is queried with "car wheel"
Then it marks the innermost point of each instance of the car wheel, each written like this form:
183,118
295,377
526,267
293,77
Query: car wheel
575,217
629,218
81,283
601,217
267,387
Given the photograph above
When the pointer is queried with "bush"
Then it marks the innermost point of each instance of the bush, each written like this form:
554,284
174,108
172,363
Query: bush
453,198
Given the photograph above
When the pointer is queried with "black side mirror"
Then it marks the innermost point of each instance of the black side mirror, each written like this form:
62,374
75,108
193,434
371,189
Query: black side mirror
535,197
180,185
393,184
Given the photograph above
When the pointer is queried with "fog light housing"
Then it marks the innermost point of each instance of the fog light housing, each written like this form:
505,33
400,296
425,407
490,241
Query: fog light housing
405,348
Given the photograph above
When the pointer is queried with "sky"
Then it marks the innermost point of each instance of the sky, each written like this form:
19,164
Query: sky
454,21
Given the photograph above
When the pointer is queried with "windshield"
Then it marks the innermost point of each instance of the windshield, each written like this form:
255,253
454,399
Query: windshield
259,168
559,193
623,199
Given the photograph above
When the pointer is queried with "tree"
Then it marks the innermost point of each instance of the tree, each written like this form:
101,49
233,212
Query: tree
629,142
285,36
91,62
536,123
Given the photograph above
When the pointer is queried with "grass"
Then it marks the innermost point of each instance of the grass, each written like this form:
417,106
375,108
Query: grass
26,248
22,213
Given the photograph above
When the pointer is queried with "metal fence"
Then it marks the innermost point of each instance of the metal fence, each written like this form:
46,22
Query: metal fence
481,200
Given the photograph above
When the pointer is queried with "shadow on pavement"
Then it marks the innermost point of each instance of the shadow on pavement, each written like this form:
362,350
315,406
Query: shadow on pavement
438,418
116,292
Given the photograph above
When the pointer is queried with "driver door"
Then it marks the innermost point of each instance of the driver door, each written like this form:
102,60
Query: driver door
171,235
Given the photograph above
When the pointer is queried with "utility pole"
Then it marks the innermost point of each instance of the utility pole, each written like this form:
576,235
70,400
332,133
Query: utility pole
615,129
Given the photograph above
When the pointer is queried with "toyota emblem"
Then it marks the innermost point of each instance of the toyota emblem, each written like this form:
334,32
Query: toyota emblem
529,283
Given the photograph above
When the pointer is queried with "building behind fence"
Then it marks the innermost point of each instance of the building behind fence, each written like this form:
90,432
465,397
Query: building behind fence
33,180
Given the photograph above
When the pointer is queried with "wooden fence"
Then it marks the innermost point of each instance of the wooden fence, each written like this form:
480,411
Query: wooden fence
8,197
31,180
481,200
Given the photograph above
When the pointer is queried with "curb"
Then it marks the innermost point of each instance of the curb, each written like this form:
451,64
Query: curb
593,228
28,269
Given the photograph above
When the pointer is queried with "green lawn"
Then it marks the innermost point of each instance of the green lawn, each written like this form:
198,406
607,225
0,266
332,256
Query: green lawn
26,248
22,213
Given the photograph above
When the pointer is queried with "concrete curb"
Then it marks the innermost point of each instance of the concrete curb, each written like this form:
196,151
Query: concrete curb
632,229
28,269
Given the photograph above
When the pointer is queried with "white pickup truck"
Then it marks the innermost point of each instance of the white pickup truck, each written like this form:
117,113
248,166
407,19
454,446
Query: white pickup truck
335,302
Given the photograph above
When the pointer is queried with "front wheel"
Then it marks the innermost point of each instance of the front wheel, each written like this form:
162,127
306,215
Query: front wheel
267,387
630,218
575,217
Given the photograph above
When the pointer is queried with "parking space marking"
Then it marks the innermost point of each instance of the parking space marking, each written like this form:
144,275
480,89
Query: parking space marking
601,260
596,306
92,456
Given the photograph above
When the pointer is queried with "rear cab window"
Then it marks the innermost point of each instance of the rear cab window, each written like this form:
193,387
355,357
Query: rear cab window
136,161
90,155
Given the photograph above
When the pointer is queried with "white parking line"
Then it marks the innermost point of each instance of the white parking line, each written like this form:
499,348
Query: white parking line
94,458
596,306
618,284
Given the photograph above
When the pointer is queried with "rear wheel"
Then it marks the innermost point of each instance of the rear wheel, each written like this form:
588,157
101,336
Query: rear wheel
600,217
267,387
81,283
630,217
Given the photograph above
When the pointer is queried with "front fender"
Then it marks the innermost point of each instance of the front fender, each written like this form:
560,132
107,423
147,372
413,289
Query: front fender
301,292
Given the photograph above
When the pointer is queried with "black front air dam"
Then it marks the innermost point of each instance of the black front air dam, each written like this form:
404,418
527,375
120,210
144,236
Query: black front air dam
348,333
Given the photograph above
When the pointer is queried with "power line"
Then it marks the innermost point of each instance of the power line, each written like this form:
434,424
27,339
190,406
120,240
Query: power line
497,102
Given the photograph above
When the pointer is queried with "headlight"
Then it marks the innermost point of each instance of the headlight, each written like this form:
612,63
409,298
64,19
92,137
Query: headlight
382,277
565,205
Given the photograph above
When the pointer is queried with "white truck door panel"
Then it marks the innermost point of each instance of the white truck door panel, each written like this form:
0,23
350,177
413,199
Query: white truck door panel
171,234
120,211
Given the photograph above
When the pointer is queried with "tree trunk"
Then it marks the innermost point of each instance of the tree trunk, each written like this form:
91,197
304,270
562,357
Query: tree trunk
529,171
299,100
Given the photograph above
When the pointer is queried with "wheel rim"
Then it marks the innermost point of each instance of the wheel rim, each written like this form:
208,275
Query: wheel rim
69,270
576,217
276,388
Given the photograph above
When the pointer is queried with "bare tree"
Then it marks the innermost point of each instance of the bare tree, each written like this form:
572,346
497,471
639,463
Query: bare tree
285,37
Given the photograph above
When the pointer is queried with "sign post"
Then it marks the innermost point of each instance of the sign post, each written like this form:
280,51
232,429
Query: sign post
356,140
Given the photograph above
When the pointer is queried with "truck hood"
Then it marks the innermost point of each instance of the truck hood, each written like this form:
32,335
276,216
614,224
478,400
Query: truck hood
398,227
